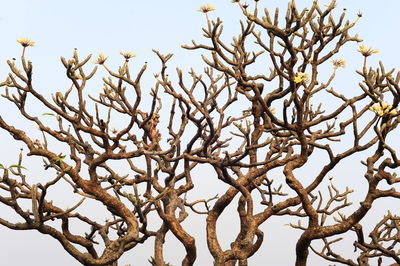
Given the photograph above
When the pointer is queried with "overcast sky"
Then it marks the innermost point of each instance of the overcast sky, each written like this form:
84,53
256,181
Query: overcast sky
58,27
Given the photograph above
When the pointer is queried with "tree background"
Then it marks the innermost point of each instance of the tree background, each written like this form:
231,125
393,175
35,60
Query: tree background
138,26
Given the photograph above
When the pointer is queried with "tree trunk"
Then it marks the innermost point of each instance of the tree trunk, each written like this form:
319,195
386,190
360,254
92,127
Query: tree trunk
302,251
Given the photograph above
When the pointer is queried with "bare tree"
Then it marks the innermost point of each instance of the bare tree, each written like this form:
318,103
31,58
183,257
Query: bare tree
254,128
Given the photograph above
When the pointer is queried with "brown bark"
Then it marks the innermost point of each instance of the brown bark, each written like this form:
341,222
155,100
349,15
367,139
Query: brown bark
282,129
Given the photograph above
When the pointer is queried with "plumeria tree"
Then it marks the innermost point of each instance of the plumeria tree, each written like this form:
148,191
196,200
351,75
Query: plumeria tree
254,118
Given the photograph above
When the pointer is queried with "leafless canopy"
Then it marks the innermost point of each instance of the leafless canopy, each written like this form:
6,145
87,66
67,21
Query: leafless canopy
277,70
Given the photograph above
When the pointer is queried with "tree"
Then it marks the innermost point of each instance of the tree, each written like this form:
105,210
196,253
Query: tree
143,172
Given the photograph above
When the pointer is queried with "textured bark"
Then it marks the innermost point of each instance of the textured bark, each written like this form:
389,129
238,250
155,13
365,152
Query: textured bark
255,131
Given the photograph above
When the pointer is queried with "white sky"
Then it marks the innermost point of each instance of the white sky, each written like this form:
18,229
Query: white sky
58,27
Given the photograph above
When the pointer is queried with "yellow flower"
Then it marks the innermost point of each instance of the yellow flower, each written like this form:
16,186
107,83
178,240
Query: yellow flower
101,59
127,55
25,42
383,108
302,77
339,63
297,79
377,109
272,109
367,51
206,8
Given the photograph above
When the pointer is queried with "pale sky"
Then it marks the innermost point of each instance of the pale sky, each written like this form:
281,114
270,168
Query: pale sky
92,27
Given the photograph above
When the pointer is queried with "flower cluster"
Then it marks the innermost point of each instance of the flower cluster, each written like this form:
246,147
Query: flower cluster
206,8
383,108
101,59
25,42
302,77
272,110
338,63
127,55
367,51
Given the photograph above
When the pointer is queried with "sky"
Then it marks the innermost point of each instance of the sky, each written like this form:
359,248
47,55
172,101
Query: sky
92,27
